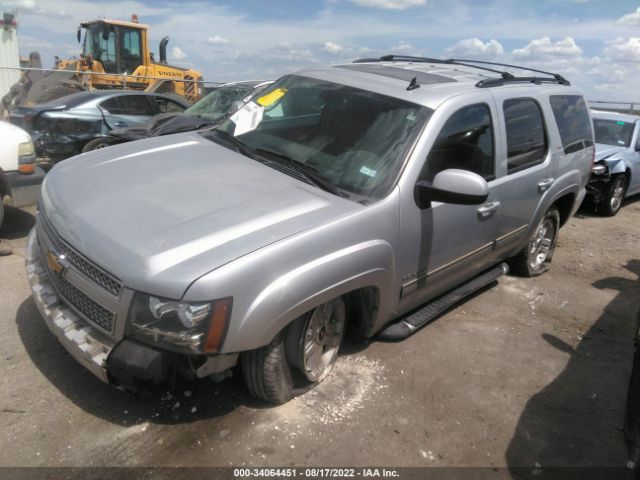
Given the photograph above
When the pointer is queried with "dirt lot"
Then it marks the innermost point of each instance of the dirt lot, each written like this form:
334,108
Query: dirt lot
530,372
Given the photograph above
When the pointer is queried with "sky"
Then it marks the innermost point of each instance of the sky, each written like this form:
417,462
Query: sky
593,43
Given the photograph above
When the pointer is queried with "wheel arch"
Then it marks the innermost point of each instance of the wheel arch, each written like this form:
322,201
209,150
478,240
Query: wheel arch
361,275
564,204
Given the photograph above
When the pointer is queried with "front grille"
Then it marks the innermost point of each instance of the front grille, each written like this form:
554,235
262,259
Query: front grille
89,308
90,270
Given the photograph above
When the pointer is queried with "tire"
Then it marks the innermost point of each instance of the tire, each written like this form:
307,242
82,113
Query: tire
1,211
535,257
99,142
614,193
280,370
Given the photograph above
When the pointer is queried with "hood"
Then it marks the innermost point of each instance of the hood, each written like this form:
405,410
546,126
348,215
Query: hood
603,150
162,124
160,213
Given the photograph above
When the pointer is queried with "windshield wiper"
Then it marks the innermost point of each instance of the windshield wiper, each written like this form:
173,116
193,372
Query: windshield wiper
309,173
220,136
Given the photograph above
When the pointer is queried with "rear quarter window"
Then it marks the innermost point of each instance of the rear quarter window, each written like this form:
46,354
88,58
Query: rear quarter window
574,124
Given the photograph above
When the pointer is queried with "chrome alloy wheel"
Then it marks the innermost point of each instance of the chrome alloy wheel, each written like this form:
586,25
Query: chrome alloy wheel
542,245
617,194
322,340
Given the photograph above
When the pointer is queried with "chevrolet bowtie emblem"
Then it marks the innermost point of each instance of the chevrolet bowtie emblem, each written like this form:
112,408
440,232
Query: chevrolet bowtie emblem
55,262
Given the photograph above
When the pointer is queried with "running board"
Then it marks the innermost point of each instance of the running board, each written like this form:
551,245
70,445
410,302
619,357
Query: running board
407,326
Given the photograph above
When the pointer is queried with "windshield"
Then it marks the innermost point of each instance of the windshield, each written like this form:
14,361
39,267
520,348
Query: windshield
221,102
100,49
351,139
613,132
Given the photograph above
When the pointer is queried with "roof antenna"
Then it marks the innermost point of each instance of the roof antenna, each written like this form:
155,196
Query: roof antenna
413,84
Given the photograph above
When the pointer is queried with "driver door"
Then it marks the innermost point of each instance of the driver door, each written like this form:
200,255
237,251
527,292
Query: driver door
444,245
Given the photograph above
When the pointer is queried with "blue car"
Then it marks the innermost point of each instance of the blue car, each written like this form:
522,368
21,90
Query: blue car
615,174
63,127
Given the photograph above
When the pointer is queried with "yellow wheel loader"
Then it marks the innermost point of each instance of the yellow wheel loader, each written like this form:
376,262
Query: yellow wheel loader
115,55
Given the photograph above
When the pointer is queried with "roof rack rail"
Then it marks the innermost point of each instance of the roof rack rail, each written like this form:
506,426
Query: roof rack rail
505,77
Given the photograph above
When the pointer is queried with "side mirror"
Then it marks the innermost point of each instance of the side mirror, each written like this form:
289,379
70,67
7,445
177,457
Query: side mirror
455,186
106,30
78,34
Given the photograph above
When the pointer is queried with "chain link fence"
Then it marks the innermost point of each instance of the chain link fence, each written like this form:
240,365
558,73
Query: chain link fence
32,86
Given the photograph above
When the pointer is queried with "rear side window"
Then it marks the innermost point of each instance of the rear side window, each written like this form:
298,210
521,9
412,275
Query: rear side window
167,106
526,138
572,117
465,142
128,105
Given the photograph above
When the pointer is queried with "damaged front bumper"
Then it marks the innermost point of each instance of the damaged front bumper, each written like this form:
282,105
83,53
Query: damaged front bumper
124,363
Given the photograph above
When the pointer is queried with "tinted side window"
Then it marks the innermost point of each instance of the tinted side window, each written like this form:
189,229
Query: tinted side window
128,105
572,117
167,106
526,139
465,142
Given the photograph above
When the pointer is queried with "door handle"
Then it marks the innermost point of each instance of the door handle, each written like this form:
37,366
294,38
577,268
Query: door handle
121,124
488,209
545,184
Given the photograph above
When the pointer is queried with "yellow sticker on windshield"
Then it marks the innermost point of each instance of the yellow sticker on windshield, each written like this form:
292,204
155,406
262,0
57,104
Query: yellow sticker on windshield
271,97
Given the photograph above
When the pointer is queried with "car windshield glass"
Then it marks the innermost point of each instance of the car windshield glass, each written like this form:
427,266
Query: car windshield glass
613,132
355,140
220,103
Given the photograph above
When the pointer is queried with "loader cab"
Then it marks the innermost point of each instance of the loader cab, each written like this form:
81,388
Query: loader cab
120,47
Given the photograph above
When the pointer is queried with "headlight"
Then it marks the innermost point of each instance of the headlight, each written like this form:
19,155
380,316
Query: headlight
26,158
25,149
183,326
598,169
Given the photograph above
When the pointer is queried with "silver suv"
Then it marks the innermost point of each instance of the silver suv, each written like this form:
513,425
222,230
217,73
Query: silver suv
370,195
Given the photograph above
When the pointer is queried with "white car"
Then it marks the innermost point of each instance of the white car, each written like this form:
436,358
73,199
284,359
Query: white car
20,179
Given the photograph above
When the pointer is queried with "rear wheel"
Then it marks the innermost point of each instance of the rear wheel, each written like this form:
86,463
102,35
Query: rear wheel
299,357
535,257
614,194
97,143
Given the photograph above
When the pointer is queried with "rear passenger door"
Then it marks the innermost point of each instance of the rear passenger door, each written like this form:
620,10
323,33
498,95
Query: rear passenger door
526,165
126,110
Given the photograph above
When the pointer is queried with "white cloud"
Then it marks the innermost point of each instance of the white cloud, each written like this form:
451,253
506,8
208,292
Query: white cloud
390,4
542,48
624,51
178,54
474,47
218,40
630,19
31,43
402,48
32,7
332,47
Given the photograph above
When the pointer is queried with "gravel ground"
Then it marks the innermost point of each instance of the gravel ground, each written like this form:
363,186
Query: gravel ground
530,372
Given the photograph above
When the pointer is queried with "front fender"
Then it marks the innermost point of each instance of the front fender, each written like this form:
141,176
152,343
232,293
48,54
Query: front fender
614,165
367,264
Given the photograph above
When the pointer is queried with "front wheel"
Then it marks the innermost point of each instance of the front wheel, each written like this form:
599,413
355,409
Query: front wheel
299,357
535,257
613,196
100,142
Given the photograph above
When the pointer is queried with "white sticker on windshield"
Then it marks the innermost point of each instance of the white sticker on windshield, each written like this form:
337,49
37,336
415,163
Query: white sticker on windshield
247,118
367,171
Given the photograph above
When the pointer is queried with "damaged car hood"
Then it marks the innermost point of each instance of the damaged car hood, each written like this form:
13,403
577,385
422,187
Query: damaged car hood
604,151
160,213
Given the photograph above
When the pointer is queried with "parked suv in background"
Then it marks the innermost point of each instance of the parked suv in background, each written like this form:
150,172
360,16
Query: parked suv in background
350,195
616,172
20,179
